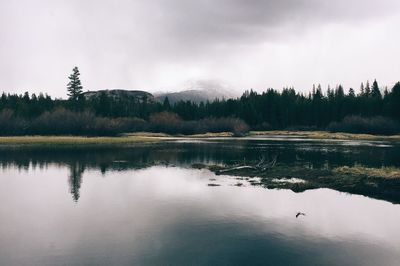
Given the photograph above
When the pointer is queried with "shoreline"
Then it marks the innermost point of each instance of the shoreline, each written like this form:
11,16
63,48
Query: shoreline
326,135
73,141
148,137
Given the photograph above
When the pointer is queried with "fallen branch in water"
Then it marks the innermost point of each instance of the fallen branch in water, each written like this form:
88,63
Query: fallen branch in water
237,168
262,165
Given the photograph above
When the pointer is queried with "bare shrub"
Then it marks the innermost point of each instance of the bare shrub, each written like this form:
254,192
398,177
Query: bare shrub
104,126
66,122
11,124
165,122
368,125
226,124
240,128
170,123
62,121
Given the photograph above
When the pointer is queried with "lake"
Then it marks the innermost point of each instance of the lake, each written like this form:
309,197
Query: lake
148,205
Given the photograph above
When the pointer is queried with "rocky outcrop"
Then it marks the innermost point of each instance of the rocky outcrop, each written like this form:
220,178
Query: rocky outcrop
121,94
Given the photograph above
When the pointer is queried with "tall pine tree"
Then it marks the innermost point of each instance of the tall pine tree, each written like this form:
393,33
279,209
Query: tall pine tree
74,86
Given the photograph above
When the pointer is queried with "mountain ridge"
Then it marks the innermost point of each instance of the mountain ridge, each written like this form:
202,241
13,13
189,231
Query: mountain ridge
121,93
194,94
198,91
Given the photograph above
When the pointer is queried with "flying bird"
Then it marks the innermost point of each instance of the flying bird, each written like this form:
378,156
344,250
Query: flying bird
300,213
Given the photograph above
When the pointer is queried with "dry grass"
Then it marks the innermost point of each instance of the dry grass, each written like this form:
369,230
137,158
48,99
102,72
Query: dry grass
139,137
74,140
384,172
151,137
212,135
168,136
326,135
148,134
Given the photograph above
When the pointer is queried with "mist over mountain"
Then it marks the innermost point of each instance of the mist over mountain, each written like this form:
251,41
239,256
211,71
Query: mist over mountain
194,91
199,91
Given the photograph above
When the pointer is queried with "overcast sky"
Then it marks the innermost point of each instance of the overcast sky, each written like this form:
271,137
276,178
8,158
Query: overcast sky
161,44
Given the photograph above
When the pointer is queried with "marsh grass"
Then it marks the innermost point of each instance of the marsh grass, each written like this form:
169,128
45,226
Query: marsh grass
383,172
142,137
131,138
326,135
212,135
74,140
164,135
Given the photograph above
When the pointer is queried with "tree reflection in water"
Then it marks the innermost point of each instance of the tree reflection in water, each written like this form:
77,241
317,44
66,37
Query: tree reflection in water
308,154
75,179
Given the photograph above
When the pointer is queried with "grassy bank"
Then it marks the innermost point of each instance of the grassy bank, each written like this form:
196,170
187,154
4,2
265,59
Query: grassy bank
142,137
325,135
134,138
74,140
304,134
176,136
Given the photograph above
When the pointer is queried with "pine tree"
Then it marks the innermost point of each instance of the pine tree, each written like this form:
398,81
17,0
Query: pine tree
74,86
339,93
352,93
362,91
395,99
367,90
166,104
375,93
385,92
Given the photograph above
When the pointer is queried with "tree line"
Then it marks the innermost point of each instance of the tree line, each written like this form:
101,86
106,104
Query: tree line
372,110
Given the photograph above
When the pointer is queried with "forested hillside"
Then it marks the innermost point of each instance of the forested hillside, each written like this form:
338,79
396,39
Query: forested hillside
268,110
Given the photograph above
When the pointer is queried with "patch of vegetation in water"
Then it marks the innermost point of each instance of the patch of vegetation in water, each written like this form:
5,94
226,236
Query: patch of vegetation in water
383,172
380,183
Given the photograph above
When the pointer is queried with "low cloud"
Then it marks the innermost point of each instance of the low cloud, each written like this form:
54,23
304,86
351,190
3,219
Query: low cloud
156,43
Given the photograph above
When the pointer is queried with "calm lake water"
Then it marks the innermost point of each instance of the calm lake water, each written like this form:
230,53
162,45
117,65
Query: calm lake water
146,205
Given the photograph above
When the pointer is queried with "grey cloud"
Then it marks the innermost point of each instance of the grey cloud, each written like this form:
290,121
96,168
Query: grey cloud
180,25
113,39
227,21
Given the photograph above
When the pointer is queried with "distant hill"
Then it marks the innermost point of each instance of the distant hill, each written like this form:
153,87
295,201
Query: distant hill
199,91
120,93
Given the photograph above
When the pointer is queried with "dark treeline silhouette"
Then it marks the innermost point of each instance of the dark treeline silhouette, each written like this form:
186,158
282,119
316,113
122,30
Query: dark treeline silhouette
373,110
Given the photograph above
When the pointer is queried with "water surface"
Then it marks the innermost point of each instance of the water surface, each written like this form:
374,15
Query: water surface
147,206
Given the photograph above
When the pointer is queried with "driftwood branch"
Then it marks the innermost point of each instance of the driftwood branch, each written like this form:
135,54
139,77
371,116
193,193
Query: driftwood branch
262,165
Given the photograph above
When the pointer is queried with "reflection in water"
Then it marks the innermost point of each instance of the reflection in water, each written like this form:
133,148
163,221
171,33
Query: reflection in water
75,179
309,154
168,215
